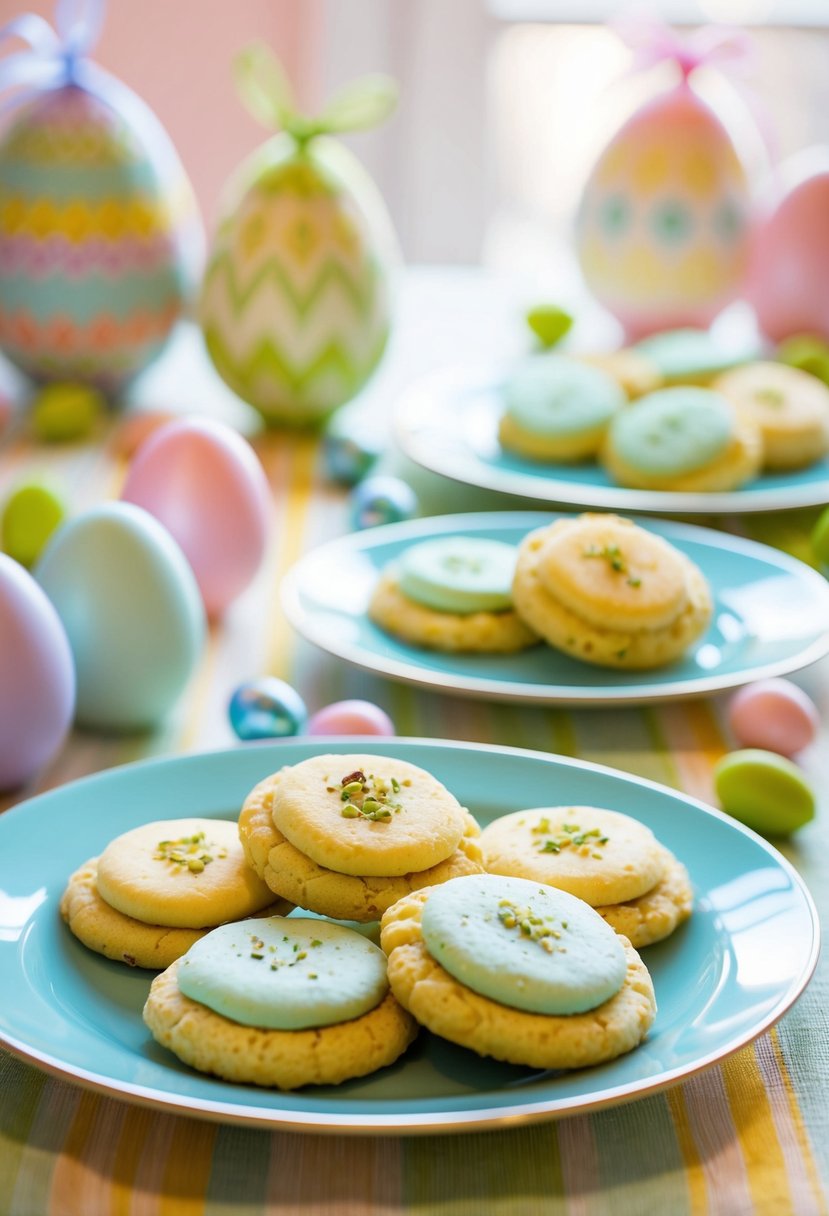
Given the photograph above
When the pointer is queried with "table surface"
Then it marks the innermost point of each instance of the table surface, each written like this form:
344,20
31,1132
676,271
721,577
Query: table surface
751,1135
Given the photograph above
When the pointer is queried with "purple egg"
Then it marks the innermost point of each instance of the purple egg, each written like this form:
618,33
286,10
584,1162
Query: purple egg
37,677
350,718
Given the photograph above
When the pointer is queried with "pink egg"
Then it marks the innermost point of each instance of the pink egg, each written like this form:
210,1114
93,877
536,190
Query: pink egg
205,483
789,275
37,677
774,715
350,718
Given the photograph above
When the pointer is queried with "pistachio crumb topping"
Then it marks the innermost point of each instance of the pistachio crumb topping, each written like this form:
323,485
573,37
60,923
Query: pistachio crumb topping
769,396
571,836
614,557
369,797
190,852
542,929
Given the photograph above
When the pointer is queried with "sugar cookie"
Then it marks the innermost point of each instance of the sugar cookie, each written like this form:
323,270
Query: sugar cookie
601,856
634,372
791,408
682,439
557,409
294,876
654,915
690,356
608,592
456,1012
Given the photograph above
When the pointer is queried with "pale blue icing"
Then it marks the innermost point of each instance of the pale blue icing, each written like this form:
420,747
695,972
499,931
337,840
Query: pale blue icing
551,395
673,431
467,927
284,973
459,574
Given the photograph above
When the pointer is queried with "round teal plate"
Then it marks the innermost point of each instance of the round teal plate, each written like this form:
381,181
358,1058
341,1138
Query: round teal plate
771,616
448,423
721,979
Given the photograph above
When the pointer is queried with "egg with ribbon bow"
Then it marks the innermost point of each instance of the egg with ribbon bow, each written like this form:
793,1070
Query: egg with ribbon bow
100,239
663,227
295,305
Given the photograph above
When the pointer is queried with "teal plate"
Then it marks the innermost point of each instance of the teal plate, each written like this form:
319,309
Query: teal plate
722,979
448,423
771,617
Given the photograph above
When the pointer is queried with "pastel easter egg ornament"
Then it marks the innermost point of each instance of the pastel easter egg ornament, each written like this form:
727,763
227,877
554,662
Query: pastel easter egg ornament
100,239
37,677
205,483
267,708
132,612
350,718
663,224
774,715
295,305
789,277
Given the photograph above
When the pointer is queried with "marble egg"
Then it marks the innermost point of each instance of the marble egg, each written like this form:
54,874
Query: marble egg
100,239
267,708
205,483
37,677
788,281
663,227
381,499
132,612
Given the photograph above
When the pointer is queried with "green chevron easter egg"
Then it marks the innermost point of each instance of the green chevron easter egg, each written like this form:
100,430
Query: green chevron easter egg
295,306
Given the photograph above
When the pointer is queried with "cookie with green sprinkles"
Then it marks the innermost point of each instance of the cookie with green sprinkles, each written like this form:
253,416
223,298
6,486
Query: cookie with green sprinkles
516,970
280,1001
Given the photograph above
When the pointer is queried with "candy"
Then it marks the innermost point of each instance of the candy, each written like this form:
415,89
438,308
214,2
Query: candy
549,323
350,718
382,500
764,791
808,353
30,516
820,539
62,412
349,452
267,708
775,715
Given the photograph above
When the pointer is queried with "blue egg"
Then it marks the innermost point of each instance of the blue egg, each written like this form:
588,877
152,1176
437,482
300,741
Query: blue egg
267,708
349,454
382,500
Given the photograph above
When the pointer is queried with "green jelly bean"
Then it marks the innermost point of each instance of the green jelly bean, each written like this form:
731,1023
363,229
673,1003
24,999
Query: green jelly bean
31,514
764,791
63,412
549,323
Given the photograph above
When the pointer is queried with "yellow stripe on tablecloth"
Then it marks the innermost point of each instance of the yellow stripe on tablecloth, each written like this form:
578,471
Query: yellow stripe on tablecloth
188,1167
694,1171
199,693
127,1159
289,522
803,1173
768,1177
85,1157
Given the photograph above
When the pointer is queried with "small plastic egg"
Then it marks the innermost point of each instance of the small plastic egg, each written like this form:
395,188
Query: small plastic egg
807,353
382,500
205,483
267,708
30,516
350,718
775,715
132,612
820,539
63,412
349,452
549,323
764,791
37,677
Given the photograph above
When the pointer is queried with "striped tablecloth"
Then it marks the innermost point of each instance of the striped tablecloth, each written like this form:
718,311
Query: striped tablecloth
751,1135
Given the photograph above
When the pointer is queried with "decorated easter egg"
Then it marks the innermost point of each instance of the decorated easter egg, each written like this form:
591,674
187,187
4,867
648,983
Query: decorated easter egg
37,677
132,612
205,483
100,241
774,715
295,305
788,281
350,718
663,225
267,708
381,499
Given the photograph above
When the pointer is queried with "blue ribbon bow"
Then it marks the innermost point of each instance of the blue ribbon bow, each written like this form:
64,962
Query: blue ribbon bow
52,55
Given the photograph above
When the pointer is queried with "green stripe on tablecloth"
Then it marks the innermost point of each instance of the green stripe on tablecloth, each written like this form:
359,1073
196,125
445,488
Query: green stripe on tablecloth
511,1173
53,1114
239,1172
16,1119
640,1161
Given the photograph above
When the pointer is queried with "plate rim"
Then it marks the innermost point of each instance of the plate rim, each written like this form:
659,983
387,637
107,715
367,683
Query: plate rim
517,692
489,1118
411,415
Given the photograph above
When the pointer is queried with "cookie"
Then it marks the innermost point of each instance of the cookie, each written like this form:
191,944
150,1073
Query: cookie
690,356
790,407
288,872
600,856
455,1011
557,409
682,439
610,593
280,1002
633,372
184,873
108,932
367,816
654,915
